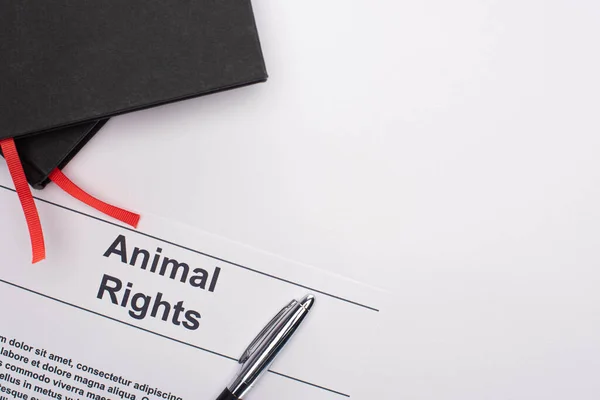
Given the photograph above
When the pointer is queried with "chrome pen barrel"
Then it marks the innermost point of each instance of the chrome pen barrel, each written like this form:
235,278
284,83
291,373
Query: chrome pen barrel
267,347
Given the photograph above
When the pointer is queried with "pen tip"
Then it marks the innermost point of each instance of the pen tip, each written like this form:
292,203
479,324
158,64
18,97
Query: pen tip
308,301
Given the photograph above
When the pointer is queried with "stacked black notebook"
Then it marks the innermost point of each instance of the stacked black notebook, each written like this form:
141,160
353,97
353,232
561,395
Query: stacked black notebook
69,65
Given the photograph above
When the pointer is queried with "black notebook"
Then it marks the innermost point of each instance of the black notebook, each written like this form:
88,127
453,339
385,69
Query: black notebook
66,62
40,154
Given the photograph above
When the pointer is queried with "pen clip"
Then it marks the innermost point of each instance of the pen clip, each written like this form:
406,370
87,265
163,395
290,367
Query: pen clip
264,333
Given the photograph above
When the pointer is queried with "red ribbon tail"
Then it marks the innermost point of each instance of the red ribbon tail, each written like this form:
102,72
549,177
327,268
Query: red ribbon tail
68,186
36,235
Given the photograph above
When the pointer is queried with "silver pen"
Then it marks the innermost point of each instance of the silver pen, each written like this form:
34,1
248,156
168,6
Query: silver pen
264,348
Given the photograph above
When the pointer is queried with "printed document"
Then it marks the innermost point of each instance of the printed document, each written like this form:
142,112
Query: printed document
165,311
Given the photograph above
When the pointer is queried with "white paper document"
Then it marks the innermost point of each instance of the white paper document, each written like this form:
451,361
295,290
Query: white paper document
165,311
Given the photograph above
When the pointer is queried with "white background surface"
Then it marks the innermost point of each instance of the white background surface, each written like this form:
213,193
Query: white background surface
447,151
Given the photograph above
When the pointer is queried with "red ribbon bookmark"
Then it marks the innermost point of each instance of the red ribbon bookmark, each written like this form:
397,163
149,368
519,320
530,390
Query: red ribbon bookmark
38,248
65,184
36,235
